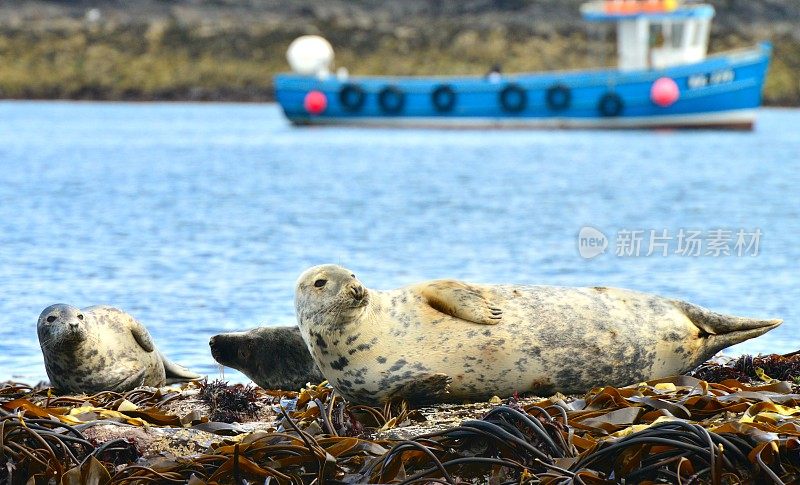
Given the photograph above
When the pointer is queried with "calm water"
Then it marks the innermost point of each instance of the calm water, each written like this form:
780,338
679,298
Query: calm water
198,218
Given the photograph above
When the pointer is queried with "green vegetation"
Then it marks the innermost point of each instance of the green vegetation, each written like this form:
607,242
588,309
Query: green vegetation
167,59
136,63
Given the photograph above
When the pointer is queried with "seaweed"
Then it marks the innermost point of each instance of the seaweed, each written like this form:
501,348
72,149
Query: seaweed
749,368
228,403
675,430
774,366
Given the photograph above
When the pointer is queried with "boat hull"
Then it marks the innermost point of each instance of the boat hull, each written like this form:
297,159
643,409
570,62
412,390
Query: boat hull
723,91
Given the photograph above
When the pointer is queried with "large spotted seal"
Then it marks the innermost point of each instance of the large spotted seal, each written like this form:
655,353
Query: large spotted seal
498,339
101,348
273,357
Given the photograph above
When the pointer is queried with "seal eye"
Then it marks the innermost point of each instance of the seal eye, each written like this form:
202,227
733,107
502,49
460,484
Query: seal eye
80,316
352,276
320,283
51,319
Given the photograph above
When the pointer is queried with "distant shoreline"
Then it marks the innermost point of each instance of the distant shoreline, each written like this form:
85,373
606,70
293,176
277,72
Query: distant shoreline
201,51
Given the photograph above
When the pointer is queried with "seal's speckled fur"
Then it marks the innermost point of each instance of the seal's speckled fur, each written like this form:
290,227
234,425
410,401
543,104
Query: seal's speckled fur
497,339
101,348
273,357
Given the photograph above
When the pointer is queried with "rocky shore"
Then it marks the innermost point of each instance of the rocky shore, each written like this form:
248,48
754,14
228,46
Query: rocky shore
729,422
229,50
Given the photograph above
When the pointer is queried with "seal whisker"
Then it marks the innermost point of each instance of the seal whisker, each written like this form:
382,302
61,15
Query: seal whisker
46,344
339,310
324,309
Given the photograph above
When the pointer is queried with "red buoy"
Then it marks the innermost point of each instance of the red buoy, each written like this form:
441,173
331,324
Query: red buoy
664,92
315,102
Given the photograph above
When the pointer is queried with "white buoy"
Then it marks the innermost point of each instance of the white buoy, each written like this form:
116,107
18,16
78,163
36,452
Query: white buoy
310,55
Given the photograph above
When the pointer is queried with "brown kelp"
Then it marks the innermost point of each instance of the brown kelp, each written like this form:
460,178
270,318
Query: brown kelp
677,430
766,367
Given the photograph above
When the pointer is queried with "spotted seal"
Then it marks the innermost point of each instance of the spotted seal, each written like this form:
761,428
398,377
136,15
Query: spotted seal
273,357
101,348
484,340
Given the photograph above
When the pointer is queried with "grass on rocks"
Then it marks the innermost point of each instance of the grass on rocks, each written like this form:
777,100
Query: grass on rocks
169,60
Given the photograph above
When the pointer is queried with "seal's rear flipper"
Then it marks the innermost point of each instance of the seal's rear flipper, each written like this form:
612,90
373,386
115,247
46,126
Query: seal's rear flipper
177,373
461,300
725,330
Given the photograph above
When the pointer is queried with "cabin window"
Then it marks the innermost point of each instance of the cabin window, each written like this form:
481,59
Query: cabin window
677,35
656,35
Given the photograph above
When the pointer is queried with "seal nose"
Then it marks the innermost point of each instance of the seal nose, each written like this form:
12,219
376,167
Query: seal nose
73,325
212,341
357,291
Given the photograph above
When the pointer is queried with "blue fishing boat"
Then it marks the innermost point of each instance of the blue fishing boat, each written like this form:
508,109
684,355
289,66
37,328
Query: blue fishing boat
663,78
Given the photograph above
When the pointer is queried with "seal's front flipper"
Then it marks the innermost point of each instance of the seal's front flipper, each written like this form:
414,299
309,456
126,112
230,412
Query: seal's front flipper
141,335
428,388
177,373
461,300
116,318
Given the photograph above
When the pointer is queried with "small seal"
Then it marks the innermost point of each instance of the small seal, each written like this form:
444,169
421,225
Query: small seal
273,357
484,340
101,348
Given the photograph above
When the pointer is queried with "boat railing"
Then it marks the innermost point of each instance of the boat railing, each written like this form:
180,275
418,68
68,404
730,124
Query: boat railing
742,54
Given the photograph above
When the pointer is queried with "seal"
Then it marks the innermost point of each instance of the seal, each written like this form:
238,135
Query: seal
475,341
101,348
272,357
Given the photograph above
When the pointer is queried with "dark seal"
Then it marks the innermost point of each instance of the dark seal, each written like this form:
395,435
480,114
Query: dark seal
273,357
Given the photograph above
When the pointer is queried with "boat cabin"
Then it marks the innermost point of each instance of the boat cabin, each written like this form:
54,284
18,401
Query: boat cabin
655,34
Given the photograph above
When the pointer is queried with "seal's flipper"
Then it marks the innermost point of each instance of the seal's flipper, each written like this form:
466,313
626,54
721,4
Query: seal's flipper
177,373
461,300
425,388
725,330
117,318
141,335
174,372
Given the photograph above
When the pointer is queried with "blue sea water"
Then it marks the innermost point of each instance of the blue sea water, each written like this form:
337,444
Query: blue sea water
198,218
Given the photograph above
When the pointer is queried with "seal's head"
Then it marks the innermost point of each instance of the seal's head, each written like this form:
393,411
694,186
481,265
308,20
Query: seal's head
251,349
330,294
61,326
273,357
